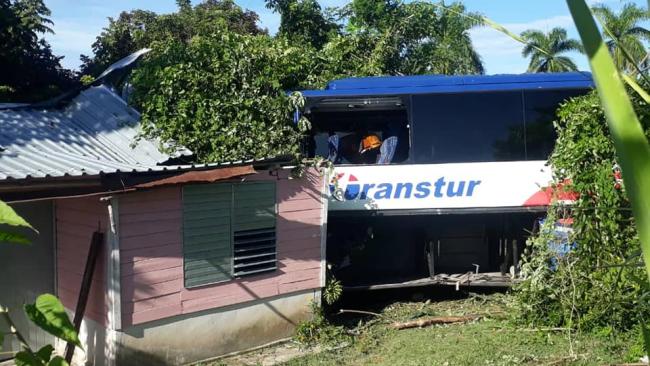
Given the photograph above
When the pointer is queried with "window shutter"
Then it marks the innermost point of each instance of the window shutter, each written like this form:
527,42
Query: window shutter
254,228
207,239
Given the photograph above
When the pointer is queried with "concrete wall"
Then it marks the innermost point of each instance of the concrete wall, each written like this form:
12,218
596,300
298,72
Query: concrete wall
150,240
206,334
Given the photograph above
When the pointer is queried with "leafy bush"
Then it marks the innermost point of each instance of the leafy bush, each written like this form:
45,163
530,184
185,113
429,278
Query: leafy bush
333,290
222,96
601,284
318,330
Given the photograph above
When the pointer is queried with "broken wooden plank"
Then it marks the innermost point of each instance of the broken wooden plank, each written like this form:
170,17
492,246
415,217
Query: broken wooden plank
84,291
433,321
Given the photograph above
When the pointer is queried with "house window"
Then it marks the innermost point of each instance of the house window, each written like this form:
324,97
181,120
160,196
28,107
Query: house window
228,231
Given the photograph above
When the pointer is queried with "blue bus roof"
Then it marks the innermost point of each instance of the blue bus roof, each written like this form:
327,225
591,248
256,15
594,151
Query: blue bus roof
430,84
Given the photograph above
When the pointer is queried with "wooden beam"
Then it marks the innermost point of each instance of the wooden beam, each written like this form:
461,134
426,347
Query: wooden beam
93,252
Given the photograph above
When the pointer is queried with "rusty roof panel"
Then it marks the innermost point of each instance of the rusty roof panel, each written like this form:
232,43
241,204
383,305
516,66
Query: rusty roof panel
204,176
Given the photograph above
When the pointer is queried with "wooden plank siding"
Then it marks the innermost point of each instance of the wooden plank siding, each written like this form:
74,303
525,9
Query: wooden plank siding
76,220
151,242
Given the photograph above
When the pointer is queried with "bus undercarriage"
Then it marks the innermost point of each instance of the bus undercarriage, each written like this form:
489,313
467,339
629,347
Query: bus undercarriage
381,250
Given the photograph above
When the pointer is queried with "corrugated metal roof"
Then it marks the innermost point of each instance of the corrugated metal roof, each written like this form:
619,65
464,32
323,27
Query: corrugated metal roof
425,84
95,133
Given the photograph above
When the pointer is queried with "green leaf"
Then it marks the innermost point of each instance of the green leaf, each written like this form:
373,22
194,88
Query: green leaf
57,361
13,238
26,358
9,217
631,145
49,314
45,353
637,88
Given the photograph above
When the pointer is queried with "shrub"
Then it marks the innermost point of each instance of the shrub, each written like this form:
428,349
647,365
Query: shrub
601,284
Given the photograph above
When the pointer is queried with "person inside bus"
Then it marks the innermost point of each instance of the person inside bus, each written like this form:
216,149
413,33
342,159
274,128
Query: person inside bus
345,148
369,148
361,147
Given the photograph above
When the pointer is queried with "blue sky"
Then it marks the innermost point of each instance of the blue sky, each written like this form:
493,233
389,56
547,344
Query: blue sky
77,23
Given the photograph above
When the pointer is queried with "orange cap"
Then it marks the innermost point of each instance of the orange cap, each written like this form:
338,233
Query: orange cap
370,142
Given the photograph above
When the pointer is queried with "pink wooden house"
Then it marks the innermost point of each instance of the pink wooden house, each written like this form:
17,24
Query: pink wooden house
156,300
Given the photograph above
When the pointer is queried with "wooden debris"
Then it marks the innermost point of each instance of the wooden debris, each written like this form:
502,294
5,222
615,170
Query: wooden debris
562,360
343,311
554,329
433,321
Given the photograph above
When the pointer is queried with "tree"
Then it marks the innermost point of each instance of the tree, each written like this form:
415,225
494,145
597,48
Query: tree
624,31
223,95
303,22
606,285
447,47
374,14
221,92
389,37
30,71
546,50
138,29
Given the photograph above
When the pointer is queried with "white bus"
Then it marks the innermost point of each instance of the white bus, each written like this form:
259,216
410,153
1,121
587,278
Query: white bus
437,179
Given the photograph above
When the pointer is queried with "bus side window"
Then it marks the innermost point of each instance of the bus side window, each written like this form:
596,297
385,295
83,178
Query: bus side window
468,127
540,111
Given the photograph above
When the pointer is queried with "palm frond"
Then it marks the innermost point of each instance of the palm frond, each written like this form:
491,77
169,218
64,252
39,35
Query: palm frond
569,45
604,13
565,64
639,32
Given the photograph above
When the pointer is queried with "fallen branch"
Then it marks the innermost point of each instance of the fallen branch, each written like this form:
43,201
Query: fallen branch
570,359
343,311
544,329
561,360
432,321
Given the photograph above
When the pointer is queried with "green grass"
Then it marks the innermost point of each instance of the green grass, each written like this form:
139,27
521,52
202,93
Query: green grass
490,341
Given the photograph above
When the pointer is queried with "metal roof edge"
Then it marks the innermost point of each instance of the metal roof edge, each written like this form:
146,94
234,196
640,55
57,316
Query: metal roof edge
280,160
